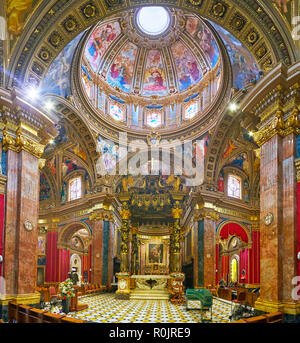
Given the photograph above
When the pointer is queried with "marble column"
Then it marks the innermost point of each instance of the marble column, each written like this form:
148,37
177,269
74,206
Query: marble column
206,248
278,213
21,215
101,252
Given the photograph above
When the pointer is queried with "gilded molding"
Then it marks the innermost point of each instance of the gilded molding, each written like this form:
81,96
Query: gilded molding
3,180
20,142
278,126
297,164
42,162
102,215
201,214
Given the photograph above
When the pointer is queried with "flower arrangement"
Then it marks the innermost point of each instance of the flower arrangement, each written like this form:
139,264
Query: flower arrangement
66,290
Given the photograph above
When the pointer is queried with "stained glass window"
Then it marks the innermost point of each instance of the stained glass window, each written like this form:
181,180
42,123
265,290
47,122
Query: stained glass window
116,112
75,189
234,187
154,119
191,110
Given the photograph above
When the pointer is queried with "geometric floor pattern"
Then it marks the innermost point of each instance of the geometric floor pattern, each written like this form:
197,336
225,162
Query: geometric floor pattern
105,308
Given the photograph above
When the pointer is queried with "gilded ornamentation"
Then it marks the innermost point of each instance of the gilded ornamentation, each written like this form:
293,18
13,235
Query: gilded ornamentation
297,163
219,9
177,210
125,212
55,39
16,12
278,126
175,181
200,215
89,11
252,37
42,162
196,2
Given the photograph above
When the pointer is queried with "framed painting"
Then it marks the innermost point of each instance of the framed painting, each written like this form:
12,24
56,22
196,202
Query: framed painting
155,253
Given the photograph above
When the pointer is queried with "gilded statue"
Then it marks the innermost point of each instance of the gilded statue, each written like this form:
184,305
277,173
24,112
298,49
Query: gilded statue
16,11
127,182
175,180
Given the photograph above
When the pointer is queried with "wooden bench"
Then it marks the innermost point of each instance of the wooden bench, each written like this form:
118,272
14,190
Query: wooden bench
276,317
23,314
72,320
36,315
52,318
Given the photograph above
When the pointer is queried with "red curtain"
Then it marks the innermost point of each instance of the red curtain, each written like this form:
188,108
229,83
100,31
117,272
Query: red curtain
298,225
243,266
52,258
2,204
254,258
64,266
217,264
233,229
225,268
86,264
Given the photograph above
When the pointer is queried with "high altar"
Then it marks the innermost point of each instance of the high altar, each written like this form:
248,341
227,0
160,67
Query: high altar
150,239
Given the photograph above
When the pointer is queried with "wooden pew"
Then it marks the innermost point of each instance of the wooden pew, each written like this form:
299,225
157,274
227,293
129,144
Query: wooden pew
259,319
52,318
23,314
12,311
36,315
276,317
72,320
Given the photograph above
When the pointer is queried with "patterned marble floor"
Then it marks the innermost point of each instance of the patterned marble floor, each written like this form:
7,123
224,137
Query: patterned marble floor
105,308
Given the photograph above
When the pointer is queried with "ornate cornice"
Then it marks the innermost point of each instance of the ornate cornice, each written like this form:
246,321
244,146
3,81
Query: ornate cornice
21,142
105,215
203,214
278,126
297,164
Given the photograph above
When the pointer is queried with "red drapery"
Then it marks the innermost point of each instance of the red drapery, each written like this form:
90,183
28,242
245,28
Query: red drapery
225,268
64,266
217,264
2,204
243,266
52,258
298,225
86,264
254,259
233,229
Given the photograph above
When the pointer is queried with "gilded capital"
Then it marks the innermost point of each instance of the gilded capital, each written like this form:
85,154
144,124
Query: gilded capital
211,215
20,142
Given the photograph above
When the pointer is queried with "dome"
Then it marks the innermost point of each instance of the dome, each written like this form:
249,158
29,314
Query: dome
151,73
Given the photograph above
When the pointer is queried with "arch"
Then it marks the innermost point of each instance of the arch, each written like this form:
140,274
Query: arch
249,22
230,228
68,231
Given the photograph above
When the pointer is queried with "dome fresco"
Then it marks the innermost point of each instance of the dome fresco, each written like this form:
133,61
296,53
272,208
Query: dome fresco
145,82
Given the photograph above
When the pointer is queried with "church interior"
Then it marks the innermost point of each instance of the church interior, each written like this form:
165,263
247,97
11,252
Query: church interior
149,161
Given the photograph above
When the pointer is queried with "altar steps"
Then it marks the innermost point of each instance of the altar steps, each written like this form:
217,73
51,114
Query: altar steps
149,294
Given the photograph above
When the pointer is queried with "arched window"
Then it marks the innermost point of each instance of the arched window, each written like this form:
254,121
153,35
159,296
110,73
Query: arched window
75,189
191,110
116,112
234,188
154,119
